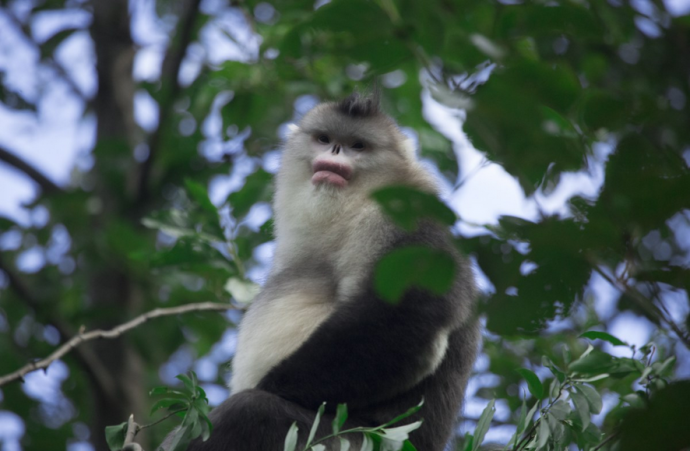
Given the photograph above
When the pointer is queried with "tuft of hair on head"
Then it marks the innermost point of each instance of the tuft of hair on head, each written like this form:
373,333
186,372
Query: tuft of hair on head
358,105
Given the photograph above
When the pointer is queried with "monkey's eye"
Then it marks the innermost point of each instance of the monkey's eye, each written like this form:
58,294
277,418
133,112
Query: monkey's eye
358,146
323,139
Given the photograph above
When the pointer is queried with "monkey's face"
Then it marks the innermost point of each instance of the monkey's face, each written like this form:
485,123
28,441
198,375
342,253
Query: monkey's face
339,152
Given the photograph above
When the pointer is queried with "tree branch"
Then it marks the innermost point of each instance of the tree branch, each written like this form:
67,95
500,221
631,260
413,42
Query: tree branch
51,61
85,356
47,185
62,73
170,87
83,336
645,303
607,440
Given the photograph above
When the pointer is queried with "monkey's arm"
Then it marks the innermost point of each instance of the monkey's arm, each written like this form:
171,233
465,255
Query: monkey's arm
367,351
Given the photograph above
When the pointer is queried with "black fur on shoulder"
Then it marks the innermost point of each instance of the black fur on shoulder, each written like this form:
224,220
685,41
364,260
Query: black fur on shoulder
358,105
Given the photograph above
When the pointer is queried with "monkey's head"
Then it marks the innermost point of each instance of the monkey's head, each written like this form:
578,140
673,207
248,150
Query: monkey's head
336,156
348,148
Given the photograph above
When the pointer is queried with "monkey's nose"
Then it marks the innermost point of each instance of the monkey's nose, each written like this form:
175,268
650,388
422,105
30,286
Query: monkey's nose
336,149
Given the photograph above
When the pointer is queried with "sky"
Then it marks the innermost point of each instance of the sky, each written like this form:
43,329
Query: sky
60,137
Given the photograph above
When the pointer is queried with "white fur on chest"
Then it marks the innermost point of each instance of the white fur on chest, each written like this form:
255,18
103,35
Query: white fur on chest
273,331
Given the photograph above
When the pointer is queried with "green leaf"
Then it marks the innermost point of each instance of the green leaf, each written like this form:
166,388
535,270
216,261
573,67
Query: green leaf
315,424
483,424
181,438
408,446
254,189
543,431
634,399
115,436
582,408
560,375
598,377
560,410
519,426
369,38
160,390
187,382
603,110
406,206
413,266
168,403
592,396
199,193
291,438
554,389
201,405
177,223
344,444
170,392
191,419
400,433
409,412
593,362
340,418
522,425
556,428
659,368
533,383
596,335
367,442
206,428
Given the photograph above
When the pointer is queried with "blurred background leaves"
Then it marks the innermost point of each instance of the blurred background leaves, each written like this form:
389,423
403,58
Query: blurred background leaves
166,209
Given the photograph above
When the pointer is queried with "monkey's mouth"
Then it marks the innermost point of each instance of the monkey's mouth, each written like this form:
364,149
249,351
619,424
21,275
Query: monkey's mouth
331,173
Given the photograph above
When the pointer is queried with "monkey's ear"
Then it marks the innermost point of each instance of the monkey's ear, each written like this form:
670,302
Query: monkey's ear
409,148
291,129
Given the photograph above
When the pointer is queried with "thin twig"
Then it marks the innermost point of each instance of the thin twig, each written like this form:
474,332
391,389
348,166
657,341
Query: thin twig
67,78
644,302
85,356
608,439
112,333
47,185
528,434
175,412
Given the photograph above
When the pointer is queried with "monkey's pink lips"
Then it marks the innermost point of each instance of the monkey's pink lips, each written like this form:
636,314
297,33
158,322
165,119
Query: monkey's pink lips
331,172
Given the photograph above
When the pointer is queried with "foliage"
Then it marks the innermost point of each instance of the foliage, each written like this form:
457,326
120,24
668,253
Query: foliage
189,402
566,413
547,90
378,438
193,402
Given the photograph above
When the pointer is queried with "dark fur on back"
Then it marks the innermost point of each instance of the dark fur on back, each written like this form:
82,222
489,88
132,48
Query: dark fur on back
358,105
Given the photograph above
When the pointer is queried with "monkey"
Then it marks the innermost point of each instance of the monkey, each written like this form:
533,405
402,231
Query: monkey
318,331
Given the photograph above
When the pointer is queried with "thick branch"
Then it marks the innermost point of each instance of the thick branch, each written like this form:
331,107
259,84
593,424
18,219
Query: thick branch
47,185
112,333
170,87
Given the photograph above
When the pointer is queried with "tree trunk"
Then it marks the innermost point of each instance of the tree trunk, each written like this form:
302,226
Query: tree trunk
110,288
